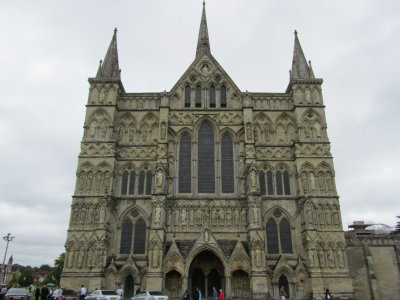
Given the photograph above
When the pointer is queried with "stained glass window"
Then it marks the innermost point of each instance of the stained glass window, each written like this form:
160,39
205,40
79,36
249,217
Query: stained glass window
141,182
206,169
124,184
187,96
185,160
140,237
272,237
261,178
286,182
198,96
223,96
285,236
227,164
126,237
212,96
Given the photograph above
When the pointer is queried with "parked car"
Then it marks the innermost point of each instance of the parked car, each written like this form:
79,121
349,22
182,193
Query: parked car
150,295
64,294
103,295
16,294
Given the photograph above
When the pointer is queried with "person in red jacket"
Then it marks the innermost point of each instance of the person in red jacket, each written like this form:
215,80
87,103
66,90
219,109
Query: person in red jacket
221,295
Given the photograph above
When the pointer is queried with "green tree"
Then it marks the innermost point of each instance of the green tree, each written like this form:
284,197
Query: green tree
55,272
26,277
14,280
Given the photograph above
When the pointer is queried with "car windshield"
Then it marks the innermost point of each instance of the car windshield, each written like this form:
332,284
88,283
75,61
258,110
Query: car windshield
155,293
17,292
109,293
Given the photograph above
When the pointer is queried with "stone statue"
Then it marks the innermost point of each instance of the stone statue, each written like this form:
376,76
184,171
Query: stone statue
253,180
159,179
312,182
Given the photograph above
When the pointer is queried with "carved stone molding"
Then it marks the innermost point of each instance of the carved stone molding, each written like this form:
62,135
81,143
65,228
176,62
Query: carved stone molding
277,153
188,118
98,149
313,150
138,153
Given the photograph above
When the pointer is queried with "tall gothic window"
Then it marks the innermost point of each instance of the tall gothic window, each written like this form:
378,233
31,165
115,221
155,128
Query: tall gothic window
223,96
187,96
126,237
145,181
198,96
128,182
139,243
212,96
278,241
227,164
274,183
133,229
206,169
185,160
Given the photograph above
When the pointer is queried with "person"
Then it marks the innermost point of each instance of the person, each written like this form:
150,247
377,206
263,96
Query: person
215,293
37,293
221,295
44,293
82,292
3,291
282,293
199,294
186,295
138,290
195,294
120,292
328,295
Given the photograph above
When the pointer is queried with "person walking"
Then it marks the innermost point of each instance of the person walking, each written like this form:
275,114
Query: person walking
37,293
82,292
221,295
196,294
186,295
44,293
328,295
214,293
282,293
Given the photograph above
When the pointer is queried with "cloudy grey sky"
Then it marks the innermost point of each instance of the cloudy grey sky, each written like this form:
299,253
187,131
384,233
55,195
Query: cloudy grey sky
49,48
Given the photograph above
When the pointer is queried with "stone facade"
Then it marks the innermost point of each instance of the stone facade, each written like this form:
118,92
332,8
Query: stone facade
206,185
374,262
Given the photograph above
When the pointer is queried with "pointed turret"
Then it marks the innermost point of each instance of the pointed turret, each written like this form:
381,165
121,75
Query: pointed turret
300,67
203,43
109,68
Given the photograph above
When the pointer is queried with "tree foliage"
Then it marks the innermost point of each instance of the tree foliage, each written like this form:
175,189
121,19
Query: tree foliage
26,277
55,272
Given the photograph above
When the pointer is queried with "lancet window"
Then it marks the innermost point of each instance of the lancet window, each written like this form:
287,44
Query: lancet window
279,236
274,182
136,184
133,229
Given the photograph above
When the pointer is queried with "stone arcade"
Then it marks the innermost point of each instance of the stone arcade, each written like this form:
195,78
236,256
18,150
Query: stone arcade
206,186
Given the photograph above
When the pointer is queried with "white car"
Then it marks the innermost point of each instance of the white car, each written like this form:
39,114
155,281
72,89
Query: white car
152,295
103,295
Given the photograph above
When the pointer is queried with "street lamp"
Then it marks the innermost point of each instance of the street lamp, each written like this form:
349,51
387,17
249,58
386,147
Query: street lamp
8,238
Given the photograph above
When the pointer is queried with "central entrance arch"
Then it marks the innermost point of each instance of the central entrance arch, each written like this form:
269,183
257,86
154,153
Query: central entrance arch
205,272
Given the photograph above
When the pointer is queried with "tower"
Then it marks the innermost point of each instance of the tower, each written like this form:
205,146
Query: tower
206,186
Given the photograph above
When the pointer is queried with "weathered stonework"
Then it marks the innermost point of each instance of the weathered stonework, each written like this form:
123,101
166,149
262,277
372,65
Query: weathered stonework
206,185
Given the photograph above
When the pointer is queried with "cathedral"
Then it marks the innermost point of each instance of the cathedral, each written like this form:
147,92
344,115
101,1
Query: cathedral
207,186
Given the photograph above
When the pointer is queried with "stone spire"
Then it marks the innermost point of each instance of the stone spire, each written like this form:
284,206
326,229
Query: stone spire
109,67
203,43
300,67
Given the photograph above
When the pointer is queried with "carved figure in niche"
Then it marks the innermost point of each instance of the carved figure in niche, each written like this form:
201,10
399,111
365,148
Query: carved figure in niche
321,258
304,182
311,258
121,135
340,258
335,217
249,131
253,180
199,217
183,217
155,258
315,95
163,130
103,129
236,218
258,257
93,129
140,103
329,182
131,135
321,217
176,217
205,69
309,214
71,258
102,95
159,178
266,135
157,215
321,182
331,259
80,259
317,129
206,237
307,130
144,135
308,96
214,217
221,217
244,217
328,217
191,222
255,214
228,218
312,182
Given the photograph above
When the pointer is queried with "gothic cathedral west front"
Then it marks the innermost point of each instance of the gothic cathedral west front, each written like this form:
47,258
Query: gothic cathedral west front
206,186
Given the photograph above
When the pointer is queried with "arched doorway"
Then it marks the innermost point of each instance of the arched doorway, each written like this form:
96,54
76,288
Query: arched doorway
205,272
128,287
240,285
283,281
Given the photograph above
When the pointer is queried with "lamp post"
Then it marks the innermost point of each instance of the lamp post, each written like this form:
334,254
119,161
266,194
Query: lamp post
8,238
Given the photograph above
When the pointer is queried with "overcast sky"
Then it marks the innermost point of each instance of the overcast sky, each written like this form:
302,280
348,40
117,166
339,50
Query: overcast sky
48,49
